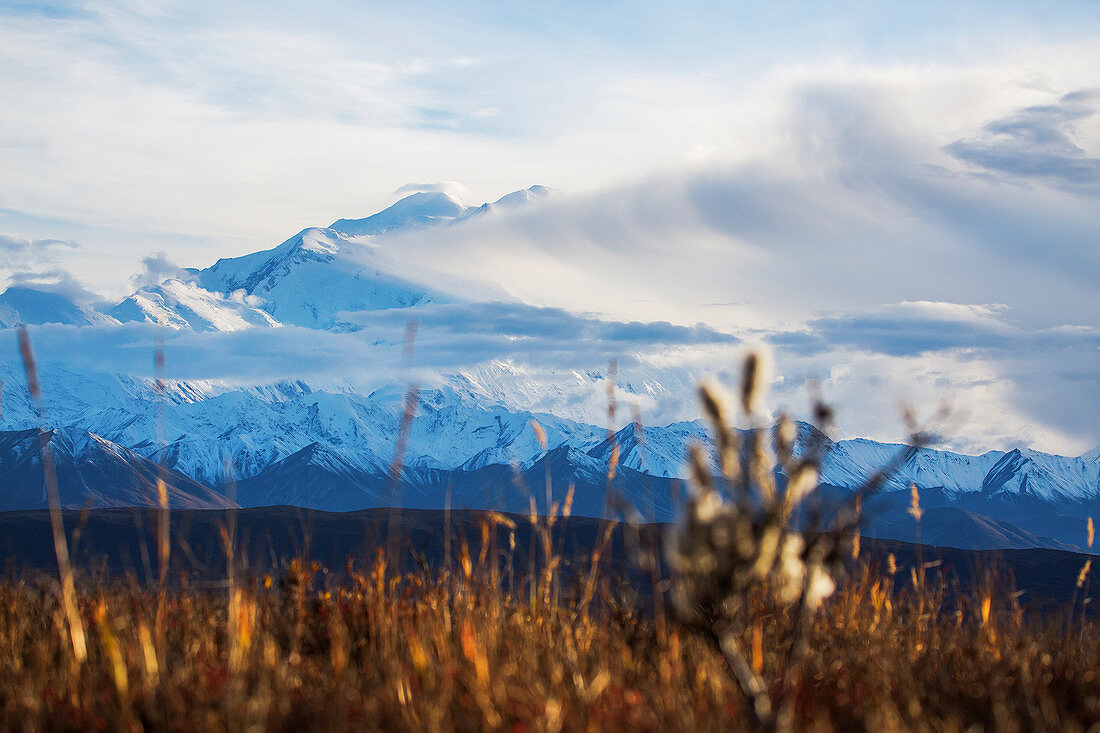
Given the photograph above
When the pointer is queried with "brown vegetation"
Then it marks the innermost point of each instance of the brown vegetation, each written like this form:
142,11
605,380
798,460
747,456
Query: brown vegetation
456,650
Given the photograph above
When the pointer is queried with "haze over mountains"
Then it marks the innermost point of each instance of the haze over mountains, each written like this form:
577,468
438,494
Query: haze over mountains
328,442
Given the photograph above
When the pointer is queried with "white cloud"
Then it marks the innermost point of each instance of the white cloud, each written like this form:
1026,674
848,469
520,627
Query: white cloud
17,253
874,224
1038,142
34,263
792,184
156,267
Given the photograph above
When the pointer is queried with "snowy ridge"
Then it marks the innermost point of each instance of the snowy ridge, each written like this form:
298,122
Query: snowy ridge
293,444
1028,472
178,304
851,462
1018,472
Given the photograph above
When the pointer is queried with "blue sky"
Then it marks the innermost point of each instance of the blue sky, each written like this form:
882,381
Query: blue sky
905,192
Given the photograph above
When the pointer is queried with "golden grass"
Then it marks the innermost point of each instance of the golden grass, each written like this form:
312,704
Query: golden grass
73,620
376,650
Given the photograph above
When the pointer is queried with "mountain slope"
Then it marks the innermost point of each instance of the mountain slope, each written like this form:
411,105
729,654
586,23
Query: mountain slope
478,458
851,462
1052,478
178,304
312,277
318,478
21,304
657,451
90,470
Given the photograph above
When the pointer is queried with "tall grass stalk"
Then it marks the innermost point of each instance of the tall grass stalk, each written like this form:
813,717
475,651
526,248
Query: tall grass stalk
57,525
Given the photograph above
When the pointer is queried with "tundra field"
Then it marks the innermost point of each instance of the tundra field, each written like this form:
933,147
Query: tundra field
501,635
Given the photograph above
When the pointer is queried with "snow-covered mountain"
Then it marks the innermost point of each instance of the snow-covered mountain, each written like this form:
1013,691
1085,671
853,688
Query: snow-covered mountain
285,442
1020,472
520,198
22,304
317,274
309,280
329,444
203,424
313,277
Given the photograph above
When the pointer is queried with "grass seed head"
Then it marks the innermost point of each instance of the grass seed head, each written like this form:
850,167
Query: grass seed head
752,382
540,434
914,503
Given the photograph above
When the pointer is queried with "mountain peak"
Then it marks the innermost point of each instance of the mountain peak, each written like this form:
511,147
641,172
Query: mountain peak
425,208
524,196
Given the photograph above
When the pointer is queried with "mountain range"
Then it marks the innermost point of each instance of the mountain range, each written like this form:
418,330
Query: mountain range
330,445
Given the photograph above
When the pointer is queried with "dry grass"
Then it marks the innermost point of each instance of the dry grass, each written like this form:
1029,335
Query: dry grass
456,651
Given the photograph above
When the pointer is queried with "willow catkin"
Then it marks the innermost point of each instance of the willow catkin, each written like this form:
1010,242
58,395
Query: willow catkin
726,439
